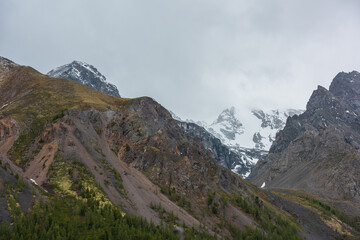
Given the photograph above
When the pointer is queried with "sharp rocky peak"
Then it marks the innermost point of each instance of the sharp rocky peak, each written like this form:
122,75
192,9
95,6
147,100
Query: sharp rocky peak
85,74
320,98
343,94
91,68
316,150
346,86
229,115
344,82
5,64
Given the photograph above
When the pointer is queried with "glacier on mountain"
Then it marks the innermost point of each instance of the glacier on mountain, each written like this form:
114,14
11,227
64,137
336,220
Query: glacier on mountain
249,129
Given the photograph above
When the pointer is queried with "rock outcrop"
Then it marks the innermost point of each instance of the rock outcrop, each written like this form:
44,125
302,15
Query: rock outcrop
240,161
318,151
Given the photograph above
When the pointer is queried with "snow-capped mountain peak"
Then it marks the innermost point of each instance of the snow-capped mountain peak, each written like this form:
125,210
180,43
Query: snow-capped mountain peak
229,123
238,159
85,74
249,128
275,119
91,69
239,138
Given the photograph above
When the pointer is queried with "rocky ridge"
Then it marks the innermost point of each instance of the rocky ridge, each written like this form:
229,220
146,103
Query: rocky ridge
250,129
318,151
239,162
85,74
236,145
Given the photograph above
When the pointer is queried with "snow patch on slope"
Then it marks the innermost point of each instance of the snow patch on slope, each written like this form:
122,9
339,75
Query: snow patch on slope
3,106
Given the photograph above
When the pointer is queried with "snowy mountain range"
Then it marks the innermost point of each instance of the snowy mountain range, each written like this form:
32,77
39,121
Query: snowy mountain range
246,134
237,138
85,74
240,160
249,129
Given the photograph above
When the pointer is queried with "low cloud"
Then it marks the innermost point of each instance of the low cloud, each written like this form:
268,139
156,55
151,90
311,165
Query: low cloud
194,57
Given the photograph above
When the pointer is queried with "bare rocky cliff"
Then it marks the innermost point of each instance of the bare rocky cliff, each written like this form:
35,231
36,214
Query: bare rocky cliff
238,160
318,151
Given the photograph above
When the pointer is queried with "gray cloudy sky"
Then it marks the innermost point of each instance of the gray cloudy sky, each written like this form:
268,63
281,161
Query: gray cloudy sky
195,57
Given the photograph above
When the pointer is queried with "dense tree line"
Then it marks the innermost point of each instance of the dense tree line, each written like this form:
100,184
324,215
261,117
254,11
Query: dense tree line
70,218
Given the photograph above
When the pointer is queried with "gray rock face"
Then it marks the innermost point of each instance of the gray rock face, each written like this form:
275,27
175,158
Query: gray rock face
239,161
257,140
318,151
228,115
85,74
225,136
274,120
346,87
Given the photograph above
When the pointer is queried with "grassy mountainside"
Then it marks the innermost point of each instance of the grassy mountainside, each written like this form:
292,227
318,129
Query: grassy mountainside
99,157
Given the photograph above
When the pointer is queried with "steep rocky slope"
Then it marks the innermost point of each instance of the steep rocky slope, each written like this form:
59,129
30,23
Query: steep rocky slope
67,141
318,151
85,74
238,138
240,160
